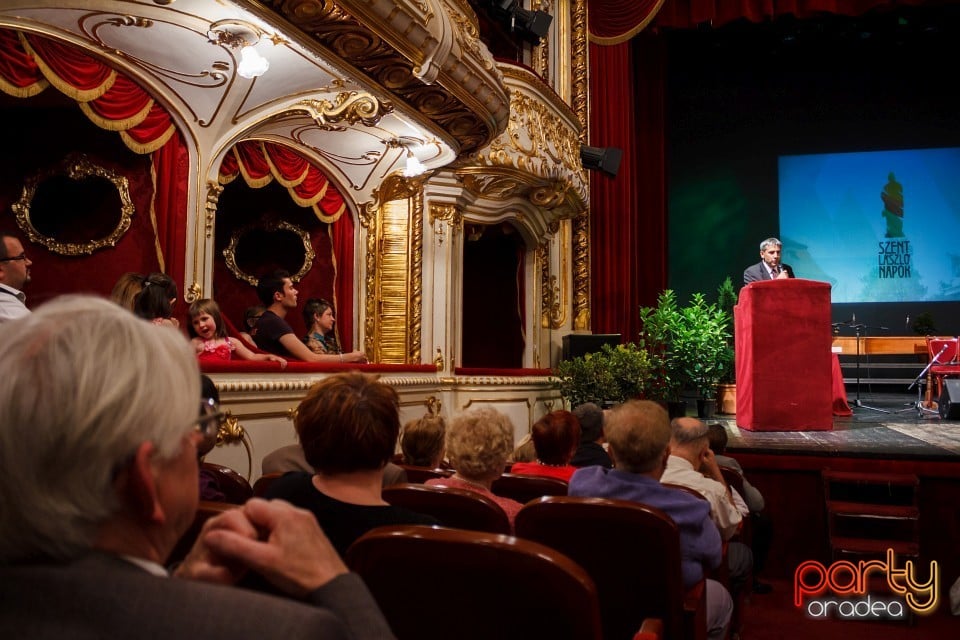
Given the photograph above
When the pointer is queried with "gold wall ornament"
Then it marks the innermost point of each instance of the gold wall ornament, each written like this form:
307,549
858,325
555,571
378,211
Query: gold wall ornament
80,169
193,293
214,189
230,252
433,404
581,224
438,360
348,106
581,273
394,277
442,215
551,309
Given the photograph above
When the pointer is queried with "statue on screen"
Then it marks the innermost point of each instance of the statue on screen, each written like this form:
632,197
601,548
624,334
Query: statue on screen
892,196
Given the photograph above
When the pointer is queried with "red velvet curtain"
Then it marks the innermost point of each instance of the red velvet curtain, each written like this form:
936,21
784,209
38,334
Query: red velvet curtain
260,163
29,63
690,13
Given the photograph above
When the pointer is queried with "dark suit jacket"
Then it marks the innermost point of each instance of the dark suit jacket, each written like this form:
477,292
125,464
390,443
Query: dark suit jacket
103,596
759,272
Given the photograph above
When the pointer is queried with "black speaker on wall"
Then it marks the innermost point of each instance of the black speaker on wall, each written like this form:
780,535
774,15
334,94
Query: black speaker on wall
949,403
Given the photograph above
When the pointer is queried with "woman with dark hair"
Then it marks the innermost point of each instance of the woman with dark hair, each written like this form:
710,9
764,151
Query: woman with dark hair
320,320
348,426
156,300
556,437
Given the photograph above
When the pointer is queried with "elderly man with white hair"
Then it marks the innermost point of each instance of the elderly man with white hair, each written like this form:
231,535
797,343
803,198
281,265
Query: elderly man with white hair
98,481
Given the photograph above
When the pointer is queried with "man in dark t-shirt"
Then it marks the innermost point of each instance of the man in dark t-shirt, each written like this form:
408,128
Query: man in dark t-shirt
275,335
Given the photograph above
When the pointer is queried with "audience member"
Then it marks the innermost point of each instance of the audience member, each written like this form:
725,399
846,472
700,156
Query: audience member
555,437
524,451
274,335
422,441
210,339
14,275
291,458
250,318
692,464
638,432
126,288
156,300
761,524
97,487
348,426
478,443
591,451
210,409
319,319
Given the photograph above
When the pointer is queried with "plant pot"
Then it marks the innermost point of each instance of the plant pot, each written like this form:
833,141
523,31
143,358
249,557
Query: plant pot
706,408
727,399
677,408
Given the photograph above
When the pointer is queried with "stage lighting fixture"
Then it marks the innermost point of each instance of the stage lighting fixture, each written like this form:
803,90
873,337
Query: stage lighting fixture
531,25
605,159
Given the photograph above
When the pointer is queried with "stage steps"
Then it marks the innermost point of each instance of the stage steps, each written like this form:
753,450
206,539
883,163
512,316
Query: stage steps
868,513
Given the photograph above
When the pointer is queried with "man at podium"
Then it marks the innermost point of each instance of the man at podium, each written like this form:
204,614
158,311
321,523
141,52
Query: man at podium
769,267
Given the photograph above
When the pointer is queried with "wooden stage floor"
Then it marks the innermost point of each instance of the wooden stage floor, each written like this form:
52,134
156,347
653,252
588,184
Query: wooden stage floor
895,432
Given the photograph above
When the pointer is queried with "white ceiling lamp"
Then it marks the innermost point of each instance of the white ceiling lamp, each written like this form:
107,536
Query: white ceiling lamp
242,36
252,64
413,167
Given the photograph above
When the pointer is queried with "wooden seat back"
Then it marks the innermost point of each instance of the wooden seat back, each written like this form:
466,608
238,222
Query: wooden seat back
524,488
419,475
458,508
235,487
471,585
632,552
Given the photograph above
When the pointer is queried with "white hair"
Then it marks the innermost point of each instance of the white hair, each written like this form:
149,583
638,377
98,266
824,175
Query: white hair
84,383
770,242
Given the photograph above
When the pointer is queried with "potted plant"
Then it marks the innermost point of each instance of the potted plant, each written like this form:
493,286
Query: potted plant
727,389
612,375
699,346
659,325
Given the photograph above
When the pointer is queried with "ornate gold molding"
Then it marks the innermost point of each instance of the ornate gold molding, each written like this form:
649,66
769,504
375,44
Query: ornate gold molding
76,167
394,279
214,189
194,292
443,215
406,49
348,106
581,224
230,252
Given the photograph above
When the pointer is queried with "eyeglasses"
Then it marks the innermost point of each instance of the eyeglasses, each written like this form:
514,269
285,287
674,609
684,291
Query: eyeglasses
208,424
22,256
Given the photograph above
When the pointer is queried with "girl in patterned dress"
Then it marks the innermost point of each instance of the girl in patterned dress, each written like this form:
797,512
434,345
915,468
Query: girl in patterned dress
210,336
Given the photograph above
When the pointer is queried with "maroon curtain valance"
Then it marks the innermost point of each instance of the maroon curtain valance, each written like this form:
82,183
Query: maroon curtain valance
261,162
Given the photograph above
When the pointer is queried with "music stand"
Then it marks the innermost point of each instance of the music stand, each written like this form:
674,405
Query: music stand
858,328
921,380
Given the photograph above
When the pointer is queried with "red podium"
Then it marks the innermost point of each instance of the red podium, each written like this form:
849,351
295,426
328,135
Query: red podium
783,356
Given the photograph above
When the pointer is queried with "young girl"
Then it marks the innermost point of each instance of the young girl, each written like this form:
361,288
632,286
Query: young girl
210,336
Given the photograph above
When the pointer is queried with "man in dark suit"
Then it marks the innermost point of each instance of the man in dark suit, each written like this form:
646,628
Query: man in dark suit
99,430
769,267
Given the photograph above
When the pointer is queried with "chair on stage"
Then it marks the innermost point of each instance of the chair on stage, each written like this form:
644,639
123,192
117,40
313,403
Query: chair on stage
523,488
632,552
458,508
947,364
472,585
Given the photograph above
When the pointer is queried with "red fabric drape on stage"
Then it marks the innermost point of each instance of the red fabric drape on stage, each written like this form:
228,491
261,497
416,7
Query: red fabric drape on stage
627,214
